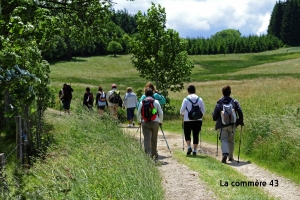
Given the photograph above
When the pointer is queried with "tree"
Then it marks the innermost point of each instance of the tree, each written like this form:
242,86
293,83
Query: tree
29,30
227,34
114,47
275,24
158,54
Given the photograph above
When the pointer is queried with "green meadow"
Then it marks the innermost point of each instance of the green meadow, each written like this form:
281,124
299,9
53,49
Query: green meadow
89,158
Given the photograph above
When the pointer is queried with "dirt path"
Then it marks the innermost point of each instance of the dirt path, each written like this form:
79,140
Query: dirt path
178,179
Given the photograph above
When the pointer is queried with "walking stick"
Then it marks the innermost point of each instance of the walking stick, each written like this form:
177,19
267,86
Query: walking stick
217,142
182,134
140,127
165,138
59,106
240,144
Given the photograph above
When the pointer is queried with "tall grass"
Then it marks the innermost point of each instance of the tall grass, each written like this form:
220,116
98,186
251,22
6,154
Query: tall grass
93,159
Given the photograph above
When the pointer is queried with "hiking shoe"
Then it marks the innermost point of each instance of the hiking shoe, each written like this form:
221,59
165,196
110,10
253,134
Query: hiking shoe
189,151
194,153
133,124
230,159
129,125
224,159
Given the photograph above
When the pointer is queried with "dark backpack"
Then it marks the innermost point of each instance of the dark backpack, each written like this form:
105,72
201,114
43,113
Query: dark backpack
195,113
228,115
67,93
148,110
115,97
90,98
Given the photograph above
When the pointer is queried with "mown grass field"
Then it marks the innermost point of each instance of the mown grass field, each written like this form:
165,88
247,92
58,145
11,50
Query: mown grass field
88,156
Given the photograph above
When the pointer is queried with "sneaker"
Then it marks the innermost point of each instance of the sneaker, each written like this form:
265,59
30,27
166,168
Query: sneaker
189,151
133,124
194,153
224,159
129,125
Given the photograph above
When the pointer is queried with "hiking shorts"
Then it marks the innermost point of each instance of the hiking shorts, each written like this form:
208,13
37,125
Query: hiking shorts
101,107
66,104
130,113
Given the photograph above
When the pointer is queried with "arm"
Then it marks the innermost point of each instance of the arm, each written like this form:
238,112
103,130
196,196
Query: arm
202,106
160,112
138,113
97,98
240,120
183,107
216,112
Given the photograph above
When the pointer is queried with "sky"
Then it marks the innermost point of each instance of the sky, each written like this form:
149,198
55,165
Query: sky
204,18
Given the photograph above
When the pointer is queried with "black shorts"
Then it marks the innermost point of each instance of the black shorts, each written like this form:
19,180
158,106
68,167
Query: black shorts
101,107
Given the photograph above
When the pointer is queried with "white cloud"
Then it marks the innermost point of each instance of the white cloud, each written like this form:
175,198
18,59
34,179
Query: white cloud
194,18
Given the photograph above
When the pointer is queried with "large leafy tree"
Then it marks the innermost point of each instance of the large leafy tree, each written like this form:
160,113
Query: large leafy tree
31,30
114,47
159,53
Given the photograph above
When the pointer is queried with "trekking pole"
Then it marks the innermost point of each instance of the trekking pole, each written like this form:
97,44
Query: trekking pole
217,142
240,144
59,106
140,127
182,134
165,138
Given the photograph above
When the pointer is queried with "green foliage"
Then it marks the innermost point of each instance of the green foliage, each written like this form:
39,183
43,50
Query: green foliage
125,20
227,34
114,47
158,54
284,22
228,44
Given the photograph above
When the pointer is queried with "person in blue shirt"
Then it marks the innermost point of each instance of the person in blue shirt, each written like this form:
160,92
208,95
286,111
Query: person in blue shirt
161,99
130,102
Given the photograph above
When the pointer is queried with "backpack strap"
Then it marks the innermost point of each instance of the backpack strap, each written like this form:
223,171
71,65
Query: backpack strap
191,102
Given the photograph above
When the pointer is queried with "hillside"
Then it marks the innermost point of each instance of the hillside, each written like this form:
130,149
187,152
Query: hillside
93,158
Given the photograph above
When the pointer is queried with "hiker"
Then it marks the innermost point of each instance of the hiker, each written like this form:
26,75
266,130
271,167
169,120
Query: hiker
114,99
150,122
192,125
101,101
65,96
88,98
227,131
156,95
130,103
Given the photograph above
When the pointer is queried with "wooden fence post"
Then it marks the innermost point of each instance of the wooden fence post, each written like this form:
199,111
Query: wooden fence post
2,160
19,137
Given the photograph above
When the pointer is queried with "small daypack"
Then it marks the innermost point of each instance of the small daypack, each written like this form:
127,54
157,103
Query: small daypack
115,97
195,113
228,115
148,110
90,98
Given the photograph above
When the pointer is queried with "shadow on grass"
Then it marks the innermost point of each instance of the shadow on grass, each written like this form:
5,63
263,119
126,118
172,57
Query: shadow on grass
239,164
196,156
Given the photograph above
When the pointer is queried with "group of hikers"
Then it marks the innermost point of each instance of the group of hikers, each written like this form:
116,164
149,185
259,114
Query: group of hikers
227,114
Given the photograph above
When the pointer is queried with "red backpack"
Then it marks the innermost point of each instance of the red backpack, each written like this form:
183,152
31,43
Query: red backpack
149,112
